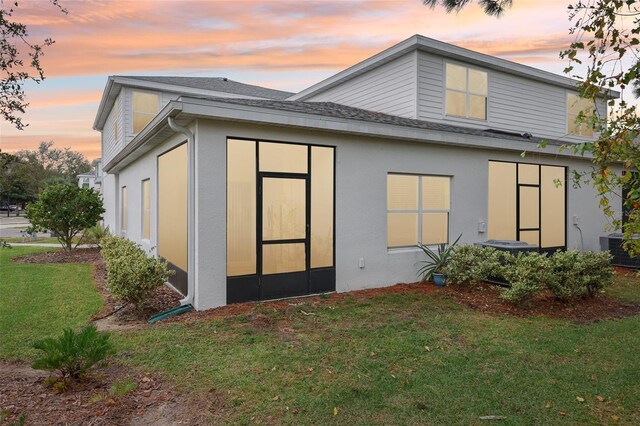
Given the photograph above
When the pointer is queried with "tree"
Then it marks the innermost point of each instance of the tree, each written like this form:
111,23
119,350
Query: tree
491,7
17,180
608,33
66,210
15,49
55,162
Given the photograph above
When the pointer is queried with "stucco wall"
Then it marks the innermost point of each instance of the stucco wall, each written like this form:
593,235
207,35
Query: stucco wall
362,165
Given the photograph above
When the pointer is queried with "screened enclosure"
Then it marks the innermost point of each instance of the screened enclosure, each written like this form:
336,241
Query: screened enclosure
280,220
527,202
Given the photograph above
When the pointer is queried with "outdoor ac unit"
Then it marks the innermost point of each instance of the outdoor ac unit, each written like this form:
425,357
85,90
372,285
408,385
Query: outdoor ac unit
613,243
513,247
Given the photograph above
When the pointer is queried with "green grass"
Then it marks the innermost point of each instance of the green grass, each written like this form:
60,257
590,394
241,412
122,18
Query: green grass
392,359
38,301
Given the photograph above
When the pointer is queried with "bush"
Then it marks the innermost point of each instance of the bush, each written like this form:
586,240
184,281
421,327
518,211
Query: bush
473,264
527,273
578,274
73,354
65,210
131,275
95,234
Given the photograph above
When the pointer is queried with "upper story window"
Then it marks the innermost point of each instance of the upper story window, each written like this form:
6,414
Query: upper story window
116,119
575,106
466,92
145,107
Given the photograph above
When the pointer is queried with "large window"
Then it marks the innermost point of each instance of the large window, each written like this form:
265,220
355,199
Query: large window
527,203
123,211
466,92
417,210
575,106
146,209
145,107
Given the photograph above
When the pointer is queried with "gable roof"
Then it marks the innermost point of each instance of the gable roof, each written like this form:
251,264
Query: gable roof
208,86
429,45
217,84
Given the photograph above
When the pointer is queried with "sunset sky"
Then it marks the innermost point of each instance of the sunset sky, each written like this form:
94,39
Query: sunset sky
286,45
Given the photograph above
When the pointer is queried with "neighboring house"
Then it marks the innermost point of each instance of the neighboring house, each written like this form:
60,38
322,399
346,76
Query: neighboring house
252,193
93,178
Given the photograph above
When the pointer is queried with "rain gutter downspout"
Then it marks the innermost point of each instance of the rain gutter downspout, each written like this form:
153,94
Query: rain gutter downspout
191,211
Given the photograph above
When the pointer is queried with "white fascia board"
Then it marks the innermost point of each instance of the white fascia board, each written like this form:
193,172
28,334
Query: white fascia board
101,114
436,47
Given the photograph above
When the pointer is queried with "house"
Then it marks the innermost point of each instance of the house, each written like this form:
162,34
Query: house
93,178
251,193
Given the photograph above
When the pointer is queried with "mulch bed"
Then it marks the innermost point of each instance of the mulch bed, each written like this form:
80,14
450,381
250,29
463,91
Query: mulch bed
485,298
91,402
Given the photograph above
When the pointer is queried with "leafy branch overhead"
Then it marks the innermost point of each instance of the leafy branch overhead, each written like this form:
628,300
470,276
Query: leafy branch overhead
490,7
19,62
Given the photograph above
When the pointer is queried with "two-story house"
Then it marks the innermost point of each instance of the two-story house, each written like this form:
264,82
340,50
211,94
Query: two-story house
252,193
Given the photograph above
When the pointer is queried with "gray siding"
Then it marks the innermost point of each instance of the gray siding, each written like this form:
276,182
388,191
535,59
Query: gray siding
515,103
111,146
390,88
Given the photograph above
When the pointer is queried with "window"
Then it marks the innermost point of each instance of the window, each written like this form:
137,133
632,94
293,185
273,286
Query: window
116,119
123,211
466,92
417,210
85,182
527,203
146,209
145,107
575,106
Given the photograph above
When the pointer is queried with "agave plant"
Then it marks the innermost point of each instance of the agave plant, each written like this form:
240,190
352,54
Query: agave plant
436,260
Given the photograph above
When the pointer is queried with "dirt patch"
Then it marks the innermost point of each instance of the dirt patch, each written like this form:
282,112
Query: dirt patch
93,402
486,298
81,255
287,305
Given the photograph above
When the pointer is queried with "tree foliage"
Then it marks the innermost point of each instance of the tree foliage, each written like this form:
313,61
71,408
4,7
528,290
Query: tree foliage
607,32
17,180
66,210
54,164
19,62
490,7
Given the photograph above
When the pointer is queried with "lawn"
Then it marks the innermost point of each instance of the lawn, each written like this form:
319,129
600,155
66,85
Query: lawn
390,359
37,301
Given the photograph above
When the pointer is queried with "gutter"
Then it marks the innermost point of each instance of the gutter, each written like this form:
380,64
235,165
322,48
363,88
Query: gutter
191,162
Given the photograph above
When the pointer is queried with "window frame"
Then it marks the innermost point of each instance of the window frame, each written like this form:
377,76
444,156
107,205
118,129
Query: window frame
466,92
146,213
569,115
420,210
133,110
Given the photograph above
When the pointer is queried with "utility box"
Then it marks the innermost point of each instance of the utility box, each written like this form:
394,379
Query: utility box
613,244
513,247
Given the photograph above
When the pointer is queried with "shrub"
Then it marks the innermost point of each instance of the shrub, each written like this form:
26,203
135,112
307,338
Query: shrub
66,210
578,274
471,264
131,275
73,354
527,273
95,234
436,260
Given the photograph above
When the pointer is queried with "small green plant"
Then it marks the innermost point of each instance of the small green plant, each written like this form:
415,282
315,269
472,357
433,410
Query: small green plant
74,353
121,388
4,244
472,264
436,260
528,274
95,234
131,274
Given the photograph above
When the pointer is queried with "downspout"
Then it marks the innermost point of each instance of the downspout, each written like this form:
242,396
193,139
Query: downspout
191,211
